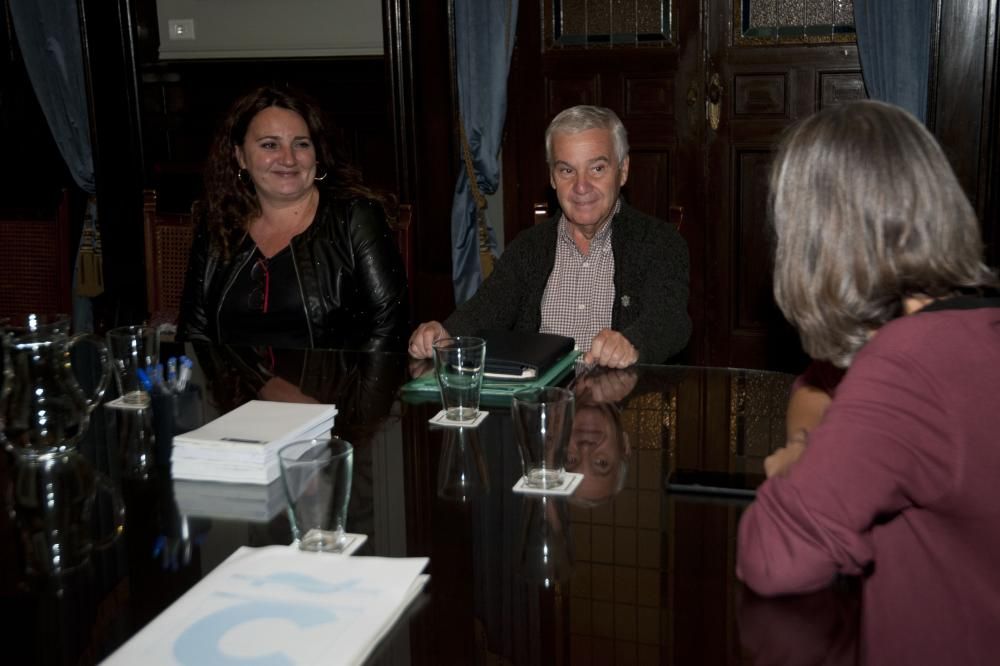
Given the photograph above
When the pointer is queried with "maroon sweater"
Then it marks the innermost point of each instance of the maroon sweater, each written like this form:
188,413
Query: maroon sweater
901,484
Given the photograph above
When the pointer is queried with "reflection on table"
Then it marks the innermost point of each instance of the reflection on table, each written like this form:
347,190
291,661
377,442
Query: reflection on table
620,572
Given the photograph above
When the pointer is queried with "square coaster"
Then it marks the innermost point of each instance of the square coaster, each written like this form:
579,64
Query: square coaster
119,403
569,485
441,419
354,541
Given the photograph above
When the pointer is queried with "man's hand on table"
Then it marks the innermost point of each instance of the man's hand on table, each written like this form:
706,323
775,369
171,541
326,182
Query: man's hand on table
600,385
611,349
422,340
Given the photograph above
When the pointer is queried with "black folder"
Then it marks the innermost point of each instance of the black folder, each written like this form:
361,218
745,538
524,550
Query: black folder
521,355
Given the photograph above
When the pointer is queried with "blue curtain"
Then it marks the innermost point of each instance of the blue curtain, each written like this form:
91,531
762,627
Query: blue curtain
484,41
48,32
894,44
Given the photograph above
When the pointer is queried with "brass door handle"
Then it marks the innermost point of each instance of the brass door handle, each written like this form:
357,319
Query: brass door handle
713,102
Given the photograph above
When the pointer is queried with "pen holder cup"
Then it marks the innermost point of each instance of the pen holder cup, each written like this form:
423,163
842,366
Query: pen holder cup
173,414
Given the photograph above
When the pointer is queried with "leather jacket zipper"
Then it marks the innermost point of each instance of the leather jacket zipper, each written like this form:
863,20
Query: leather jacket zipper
226,287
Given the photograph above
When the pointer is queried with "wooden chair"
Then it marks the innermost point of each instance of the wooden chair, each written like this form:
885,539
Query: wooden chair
36,266
168,243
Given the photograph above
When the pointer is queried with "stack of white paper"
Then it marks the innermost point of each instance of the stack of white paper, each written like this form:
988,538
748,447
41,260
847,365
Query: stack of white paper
242,446
281,605
230,501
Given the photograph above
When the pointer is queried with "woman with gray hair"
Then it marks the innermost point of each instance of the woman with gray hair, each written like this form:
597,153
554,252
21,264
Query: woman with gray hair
879,266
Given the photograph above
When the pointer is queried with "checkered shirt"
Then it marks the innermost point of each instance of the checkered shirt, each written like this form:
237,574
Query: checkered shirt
580,292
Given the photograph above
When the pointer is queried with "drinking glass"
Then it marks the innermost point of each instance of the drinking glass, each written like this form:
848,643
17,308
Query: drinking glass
458,366
133,348
316,475
543,422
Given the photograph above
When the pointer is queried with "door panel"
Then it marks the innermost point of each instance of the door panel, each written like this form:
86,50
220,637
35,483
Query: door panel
773,69
627,56
772,63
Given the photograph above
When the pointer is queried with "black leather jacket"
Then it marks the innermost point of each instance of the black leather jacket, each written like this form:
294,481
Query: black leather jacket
351,279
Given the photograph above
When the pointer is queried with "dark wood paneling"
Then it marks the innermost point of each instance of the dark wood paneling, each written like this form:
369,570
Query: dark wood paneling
184,102
838,88
965,105
759,95
650,182
562,92
766,88
421,63
650,95
961,69
752,248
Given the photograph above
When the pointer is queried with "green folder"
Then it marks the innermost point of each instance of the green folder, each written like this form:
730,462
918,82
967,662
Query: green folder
493,393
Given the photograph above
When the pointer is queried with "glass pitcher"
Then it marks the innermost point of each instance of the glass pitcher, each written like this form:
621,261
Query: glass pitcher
42,407
53,501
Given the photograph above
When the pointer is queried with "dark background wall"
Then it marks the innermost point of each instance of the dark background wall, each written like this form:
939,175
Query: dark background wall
152,122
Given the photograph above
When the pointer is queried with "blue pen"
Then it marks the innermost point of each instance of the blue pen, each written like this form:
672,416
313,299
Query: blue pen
172,374
185,373
144,380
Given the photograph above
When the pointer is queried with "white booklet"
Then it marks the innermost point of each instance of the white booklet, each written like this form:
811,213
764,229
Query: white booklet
252,433
230,501
280,605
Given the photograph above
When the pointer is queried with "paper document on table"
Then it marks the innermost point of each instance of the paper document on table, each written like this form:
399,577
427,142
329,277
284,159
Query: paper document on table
242,445
230,501
258,428
280,605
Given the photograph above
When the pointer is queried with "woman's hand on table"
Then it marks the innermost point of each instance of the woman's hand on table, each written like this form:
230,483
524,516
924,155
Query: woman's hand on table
782,460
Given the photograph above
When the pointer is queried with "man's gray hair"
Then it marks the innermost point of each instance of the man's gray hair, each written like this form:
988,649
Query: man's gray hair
585,117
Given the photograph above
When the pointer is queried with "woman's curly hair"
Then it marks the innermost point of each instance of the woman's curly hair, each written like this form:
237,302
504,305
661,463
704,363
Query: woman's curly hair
230,203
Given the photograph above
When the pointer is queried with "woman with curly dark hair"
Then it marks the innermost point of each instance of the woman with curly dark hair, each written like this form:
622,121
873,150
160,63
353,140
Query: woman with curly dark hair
291,249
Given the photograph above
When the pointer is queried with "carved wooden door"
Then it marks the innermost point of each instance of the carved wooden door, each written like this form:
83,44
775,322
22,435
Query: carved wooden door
768,64
704,89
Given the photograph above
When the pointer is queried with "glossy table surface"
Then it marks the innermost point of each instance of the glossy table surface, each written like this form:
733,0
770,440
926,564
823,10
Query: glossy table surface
626,571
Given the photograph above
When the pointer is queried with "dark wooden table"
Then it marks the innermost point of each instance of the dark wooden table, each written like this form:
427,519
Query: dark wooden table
624,572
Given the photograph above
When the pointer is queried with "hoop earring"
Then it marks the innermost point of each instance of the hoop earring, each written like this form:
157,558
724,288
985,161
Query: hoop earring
244,177
323,177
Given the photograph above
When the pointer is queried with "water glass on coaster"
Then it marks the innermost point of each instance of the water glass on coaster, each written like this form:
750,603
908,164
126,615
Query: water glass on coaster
133,348
458,366
543,423
316,475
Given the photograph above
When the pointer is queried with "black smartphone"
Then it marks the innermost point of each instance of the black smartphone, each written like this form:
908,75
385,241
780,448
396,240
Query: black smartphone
729,484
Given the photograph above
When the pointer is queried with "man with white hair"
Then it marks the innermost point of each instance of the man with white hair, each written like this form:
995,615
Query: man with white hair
599,271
